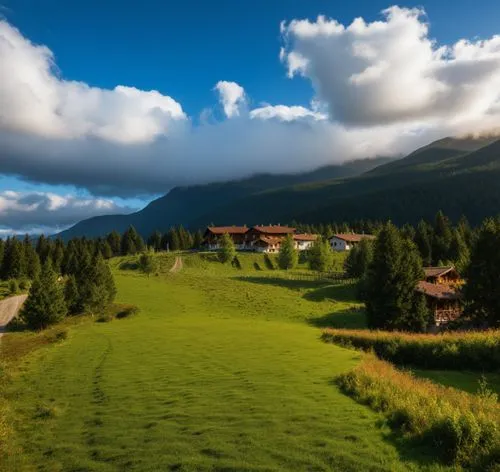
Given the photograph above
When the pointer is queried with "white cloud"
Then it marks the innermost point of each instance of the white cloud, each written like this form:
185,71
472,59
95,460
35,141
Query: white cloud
34,99
390,71
231,97
285,113
30,211
381,88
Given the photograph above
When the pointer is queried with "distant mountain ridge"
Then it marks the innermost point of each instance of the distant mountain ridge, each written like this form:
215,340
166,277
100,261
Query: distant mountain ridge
183,205
459,176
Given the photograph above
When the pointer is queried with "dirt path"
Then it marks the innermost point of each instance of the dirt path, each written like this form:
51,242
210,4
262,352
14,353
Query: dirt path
8,309
177,265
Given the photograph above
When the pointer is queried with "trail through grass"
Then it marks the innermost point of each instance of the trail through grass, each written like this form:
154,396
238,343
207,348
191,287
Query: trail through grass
219,371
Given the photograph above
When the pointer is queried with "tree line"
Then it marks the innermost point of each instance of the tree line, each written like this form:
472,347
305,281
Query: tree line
390,268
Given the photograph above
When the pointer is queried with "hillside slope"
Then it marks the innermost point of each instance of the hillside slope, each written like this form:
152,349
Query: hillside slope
458,176
185,205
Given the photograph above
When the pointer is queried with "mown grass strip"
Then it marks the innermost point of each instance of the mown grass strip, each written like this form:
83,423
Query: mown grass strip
463,429
473,351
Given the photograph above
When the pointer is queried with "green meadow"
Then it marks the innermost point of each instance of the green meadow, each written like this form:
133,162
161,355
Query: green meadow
222,370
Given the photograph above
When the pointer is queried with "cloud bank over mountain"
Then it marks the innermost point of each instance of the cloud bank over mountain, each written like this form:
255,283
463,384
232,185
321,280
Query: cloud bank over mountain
380,88
37,211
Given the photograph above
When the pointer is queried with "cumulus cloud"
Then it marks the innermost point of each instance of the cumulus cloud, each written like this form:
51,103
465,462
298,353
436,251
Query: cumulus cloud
29,211
380,88
390,71
34,100
231,97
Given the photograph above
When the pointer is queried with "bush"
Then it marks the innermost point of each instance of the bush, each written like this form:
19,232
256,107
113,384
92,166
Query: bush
462,428
24,285
476,351
13,286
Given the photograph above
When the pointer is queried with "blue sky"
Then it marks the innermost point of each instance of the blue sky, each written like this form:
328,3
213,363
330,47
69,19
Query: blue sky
183,49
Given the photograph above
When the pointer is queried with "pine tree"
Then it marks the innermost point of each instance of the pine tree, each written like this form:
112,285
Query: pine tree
128,242
423,240
114,241
389,286
71,296
288,256
198,240
45,304
43,248
482,288
459,252
14,263
57,255
154,241
359,259
148,262
227,251
105,249
442,238
96,286
320,256
173,240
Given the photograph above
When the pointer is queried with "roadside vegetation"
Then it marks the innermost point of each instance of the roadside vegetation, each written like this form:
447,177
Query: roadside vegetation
462,429
472,351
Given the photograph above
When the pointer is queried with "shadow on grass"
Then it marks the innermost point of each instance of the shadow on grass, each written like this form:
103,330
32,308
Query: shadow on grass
256,266
337,292
348,319
291,284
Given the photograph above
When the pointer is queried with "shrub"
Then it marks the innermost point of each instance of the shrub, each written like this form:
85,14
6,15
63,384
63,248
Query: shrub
462,428
13,286
24,285
476,351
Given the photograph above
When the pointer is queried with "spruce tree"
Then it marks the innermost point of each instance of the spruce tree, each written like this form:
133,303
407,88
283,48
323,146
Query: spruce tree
227,251
198,240
320,256
72,297
114,241
359,258
96,287
389,286
129,242
423,240
14,263
45,304
148,262
442,238
154,241
288,256
482,288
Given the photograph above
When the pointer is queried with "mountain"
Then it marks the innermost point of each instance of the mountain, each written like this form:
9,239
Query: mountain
184,205
458,176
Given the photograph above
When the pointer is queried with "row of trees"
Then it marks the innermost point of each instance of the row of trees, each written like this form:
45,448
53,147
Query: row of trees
390,268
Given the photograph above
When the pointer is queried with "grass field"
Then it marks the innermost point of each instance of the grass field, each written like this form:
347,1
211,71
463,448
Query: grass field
222,370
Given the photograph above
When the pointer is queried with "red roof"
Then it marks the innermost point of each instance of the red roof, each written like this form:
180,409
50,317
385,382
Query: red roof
305,237
439,291
268,240
227,229
274,229
353,237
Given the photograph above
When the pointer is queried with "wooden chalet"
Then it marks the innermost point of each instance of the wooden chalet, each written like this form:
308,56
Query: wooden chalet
213,234
447,275
443,300
272,244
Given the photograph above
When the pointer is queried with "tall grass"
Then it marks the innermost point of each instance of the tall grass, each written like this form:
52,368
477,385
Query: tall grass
476,351
463,429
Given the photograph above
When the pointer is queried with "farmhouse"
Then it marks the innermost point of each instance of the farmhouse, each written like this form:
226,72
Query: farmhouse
346,241
257,238
272,244
213,234
443,300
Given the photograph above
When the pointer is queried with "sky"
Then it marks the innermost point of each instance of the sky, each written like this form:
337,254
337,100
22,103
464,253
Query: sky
106,105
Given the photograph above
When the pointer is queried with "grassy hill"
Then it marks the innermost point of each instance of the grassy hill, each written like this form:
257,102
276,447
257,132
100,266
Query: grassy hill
223,369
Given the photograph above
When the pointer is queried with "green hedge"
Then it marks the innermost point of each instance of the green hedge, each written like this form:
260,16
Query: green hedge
476,351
